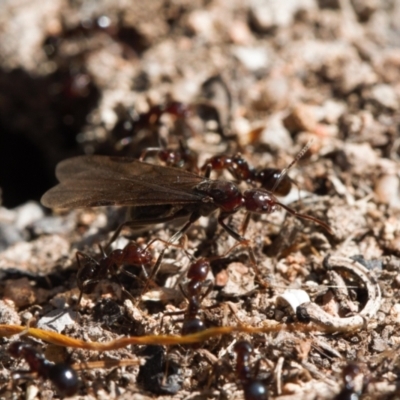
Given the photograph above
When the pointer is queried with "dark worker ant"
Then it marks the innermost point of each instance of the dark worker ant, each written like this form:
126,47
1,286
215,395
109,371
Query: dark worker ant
178,110
182,157
63,377
195,291
351,389
151,121
93,271
253,388
273,180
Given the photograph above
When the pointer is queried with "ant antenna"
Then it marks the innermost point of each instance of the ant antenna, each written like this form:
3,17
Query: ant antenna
299,155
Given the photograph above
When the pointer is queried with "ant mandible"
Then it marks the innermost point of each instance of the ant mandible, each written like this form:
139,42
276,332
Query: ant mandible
94,271
63,376
253,388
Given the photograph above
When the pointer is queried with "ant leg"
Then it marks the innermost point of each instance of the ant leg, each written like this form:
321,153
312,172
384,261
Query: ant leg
168,243
183,291
157,240
123,290
207,170
78,253
245,242
81,285
153,272
153,221
149,151
210,287
18,375
116,234
169,314
230,231
193,217
245,223
135,224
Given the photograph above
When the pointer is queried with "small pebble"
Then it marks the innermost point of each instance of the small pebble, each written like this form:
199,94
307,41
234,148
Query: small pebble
27,214
387,190
57,320
20,291
301,118
265,15
253,58
8,313
385,96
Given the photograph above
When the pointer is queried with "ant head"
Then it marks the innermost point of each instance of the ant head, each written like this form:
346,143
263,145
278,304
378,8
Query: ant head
260,201
199,270
133,254
277,181
272,179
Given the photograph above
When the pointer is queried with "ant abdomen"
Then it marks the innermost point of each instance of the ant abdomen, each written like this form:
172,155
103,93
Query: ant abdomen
192,325
64,378
255,390
268,178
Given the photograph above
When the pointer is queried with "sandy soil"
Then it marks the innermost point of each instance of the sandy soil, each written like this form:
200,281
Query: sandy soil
260,78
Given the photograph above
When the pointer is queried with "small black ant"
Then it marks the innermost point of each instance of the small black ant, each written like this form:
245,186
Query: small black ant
194,293
350,390
253,388
63,377
94,271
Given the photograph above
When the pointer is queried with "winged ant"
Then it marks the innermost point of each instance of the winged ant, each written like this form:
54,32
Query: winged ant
158,193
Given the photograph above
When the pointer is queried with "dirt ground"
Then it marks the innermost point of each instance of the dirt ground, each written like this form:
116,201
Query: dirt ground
261,78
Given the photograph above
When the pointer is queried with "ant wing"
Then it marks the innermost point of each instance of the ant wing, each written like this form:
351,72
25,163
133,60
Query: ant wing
92,181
